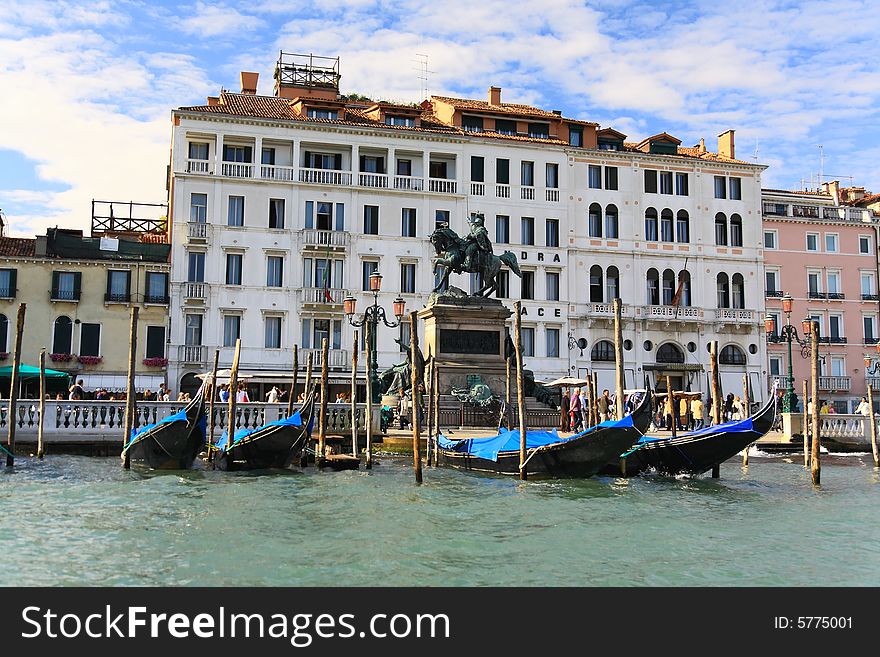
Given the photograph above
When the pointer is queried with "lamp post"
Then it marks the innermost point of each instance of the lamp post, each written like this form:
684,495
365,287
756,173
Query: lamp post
373,315
789,333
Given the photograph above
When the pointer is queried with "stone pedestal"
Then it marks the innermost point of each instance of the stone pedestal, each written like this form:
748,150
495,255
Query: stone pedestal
466,336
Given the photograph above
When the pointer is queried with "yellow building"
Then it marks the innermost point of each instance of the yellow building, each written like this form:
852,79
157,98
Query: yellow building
79,292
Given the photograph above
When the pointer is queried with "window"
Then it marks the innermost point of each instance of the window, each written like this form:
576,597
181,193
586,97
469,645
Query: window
407,278
552,286
835,327
650,181
833,278
738,291
89,339
838,367
722,287
371,219
575,135
272,333
552,335
736,230
66,285
503,290
594,177
367,268
776,324
612,283
528,341
437,169
320,113
441,219
472,123
527,174
867,284
198,208
276,213
407,121
528,231
682,227
732,355
198,151
596,284
594,220
196,267
155,342
4,333
551,232
666,226
325,274
8,284
236,211
735,185
681,184
372,164
404,167
231,329
502,171
720,187
408,222
405,336
666,182
118,286
193,333
610,177
775,366
864,244
233,268
670,353
476,281
684,282
771,280
869,322
770,238
651,225
274,271
720,229
611,223
539,130
236,153
552,176
267,156
502,229
62,336
812,241
324,216
528,285
603,351
314,332
504,127
478,169
831,242
652,278
668,286
814,284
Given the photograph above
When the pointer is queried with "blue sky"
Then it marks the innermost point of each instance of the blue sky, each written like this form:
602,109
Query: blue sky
88,86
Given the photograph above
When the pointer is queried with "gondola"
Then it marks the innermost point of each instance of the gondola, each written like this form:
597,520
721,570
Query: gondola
695,452
274,445
174,442
548,455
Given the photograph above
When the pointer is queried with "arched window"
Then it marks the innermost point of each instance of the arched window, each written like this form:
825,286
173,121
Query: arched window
737,291
62,341
653,288
596,284
651,225
612,284
670,353
684,281
720,229
595,220
732,355
603,351
4,333
683,227
736,230
722,284
667,232
668,286
190,383
611,232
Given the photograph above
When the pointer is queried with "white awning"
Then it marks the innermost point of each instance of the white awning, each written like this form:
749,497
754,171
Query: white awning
119,382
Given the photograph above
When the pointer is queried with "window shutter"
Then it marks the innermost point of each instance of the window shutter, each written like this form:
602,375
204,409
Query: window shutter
340,216
128,283
109,282
337,162
55,276
309,162
363,163
337,334
310,214
166,287
77,284
248,154
337,275
306,338
307,272
380,165
13,281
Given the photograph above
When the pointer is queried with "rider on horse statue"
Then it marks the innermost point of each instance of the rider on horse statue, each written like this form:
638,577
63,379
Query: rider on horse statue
477,241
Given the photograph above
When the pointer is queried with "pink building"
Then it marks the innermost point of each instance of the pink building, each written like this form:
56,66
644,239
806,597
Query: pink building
824,255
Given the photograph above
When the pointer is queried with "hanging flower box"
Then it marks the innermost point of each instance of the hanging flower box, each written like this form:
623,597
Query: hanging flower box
89,360
60,358
155,362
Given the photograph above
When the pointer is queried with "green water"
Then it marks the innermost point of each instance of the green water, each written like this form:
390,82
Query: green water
84,521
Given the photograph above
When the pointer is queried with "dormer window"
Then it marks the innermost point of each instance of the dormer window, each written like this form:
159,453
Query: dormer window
575,135
400,120
505,127
472,123
319,113
610,145
539,131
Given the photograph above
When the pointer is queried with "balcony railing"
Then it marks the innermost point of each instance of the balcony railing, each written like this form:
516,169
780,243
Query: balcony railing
837,339
870,297
774,294
199,166
502,191
7,293
814,294
117,297
736,314
776,209
375,180
159,300
781,382
277,172
834,383
874,382
409,183
197,231
64,295
809,211
335,357
323,295
868,340
325,176
442,185
192,353
313,237
835,296
237,169
672,312
552,195
194,290
527,193
478,189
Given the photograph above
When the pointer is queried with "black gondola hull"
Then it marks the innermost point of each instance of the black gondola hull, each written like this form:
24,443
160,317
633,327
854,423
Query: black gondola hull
172,445
276,447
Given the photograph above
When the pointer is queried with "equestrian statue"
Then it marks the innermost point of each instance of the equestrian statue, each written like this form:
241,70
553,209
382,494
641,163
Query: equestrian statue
473,254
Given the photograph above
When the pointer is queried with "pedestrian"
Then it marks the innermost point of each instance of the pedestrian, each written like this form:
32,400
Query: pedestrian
585,409
223,393
163,391
737,409
864,408
564,419
77,391
242,395
403,409
574,409
684,422
602,405
669,411
728,408
697,413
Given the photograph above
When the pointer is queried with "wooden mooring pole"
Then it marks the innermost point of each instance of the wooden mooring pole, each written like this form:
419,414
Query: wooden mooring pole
670,397
354,425
716,403
40,447
747,411
322,432
870,419
233,401
520,391
815,466
429,389
435,372
806,428
368,337
129,397
292,396
591,411
212,391
416,395
303,458
618,359
507,367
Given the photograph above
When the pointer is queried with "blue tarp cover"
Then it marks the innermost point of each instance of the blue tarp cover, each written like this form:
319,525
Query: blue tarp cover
508,441
180,416
727,427
294,420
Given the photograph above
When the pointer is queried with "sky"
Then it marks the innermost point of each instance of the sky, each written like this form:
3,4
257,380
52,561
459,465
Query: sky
87,88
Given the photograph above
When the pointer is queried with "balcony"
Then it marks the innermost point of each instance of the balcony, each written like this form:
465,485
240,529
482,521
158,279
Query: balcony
202,167
870,297
373,180
193,354
735,315
781,382
478,189
336,358
237,169
874,382
814,294
835,296
442,185
527,193
279,173
807,211
774,294
679,313
323,296
323,240
837,340
409,183
325,176
871,340
552,195
197,232
502,191
64,295
158,300
834,383
117,297
195,291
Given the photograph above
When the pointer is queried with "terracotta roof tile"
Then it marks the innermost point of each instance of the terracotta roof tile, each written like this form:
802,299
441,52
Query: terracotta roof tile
17,246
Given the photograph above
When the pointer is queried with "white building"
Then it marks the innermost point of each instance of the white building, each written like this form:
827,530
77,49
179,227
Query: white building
281,205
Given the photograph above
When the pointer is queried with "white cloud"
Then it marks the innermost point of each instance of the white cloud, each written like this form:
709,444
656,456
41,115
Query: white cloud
214,20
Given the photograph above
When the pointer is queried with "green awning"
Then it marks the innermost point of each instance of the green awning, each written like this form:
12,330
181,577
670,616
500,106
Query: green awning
30,372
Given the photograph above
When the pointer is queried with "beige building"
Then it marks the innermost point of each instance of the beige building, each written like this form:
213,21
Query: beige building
79,291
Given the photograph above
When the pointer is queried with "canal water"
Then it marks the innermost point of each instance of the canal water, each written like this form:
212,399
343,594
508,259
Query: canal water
84,521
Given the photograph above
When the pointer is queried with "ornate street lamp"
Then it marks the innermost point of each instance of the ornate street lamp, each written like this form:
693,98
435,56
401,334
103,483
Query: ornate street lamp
373,315
789,333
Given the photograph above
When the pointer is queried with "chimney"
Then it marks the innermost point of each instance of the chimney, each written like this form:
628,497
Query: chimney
495,96
833,190
213,101
725,145
702,146
40,246
249,82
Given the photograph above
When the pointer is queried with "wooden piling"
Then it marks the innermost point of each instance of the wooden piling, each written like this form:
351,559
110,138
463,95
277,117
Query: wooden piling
618,359
40,447
520,390
233,397
416,395
435,372
368,337
590,415
870,419
322,432
212,391
747,411
354,367
815,466
429,389
713,364
303,457
670,398
129,397
507,367
292,395
806,428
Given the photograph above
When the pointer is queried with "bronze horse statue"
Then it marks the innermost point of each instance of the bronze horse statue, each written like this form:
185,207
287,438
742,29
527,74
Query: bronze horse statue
451,252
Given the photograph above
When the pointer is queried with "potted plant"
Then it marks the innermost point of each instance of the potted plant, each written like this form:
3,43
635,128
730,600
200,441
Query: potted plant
60,358
89,360
155,362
